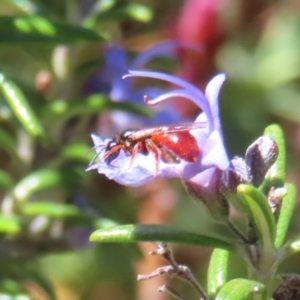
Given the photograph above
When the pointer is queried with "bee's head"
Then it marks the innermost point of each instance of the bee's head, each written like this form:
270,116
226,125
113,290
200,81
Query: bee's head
109,147
125,137
111,144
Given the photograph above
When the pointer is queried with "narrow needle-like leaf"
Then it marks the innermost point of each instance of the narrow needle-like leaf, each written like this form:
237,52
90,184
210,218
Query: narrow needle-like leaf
286,211
242,289
162,233
276,174
217,271
36,181
20,106
260,214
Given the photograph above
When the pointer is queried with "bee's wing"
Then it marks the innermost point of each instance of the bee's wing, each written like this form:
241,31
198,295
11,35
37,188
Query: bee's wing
147,132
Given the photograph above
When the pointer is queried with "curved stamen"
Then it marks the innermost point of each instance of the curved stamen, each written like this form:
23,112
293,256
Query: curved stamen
198,97
98,153
165,77
187,95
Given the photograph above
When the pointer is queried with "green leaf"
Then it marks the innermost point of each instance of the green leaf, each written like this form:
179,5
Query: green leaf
217,271
287,109
134,11
100,7
104,5
6,180
36,29
50,209
36,181
242,289
11,287
92,65
80,152
20,106
291,247
94,104
278,50
7,142
104,223
9,224
152,233
286,211
139,12
276,175
260,214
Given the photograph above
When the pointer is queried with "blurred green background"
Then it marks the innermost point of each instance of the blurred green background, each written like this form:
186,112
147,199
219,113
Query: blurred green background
50,103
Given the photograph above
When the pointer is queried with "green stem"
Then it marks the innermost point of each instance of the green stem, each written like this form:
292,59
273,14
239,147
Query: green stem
237,232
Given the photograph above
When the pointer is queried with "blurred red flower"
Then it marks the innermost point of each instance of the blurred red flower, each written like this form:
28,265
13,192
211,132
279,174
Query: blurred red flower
199,23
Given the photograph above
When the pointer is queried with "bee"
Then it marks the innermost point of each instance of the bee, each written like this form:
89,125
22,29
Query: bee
169,143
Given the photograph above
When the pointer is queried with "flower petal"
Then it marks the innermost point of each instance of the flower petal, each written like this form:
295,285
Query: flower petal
212,93
116,67
166,49
214,153
193,93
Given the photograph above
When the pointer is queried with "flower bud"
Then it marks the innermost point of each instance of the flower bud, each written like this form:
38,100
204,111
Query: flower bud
258,159
210,197
260,156
288,289
235,174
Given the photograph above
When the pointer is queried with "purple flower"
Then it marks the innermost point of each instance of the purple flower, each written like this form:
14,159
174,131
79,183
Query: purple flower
212,154
109,81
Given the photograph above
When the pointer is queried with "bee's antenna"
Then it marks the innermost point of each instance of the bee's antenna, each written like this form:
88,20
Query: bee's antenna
97,155
93,148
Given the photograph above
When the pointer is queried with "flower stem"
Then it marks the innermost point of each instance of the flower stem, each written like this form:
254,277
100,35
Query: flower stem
237,232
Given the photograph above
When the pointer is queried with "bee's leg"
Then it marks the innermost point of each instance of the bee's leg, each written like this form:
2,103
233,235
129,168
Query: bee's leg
114,150
153,148
97,154
168,156
134,151
95,157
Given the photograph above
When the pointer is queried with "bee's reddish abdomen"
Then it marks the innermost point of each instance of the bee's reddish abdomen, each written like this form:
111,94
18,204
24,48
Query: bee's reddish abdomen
182,143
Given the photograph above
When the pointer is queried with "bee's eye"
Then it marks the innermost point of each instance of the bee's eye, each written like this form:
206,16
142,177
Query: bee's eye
126,134
111,144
